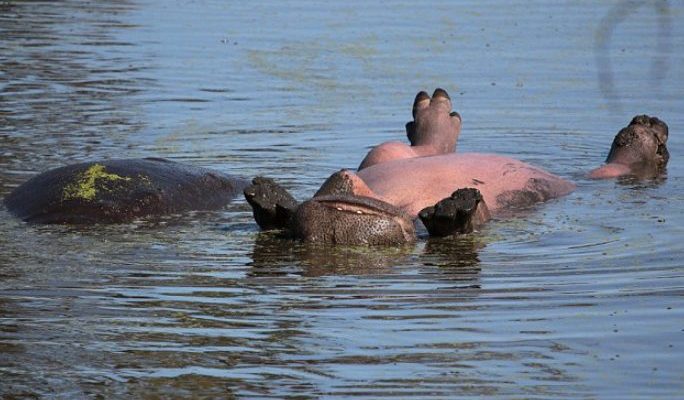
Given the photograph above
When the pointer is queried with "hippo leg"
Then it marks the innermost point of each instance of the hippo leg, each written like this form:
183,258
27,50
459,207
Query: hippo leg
434,130
460,213
271,204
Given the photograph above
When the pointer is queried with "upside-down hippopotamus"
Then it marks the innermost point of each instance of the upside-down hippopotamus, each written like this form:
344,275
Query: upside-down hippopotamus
450,192
116,191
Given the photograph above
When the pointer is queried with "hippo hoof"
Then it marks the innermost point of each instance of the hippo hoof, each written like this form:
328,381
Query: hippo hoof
460,213
271,204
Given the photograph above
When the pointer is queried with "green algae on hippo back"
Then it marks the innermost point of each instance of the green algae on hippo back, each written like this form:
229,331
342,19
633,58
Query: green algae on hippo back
116,191
94,179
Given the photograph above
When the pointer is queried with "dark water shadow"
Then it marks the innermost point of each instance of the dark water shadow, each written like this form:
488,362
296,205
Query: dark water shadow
647,180
453,252
453,258
273,255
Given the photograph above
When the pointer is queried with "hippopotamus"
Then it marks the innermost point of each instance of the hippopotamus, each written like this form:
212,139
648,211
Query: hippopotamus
451,193
122,190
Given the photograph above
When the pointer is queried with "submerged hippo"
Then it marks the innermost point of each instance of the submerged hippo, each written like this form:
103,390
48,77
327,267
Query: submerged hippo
450,192
115,191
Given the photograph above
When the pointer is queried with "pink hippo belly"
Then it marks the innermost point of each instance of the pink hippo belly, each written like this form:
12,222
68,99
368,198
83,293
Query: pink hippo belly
505,183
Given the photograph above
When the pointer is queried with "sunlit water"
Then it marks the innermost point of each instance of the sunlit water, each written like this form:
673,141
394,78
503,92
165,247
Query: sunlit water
577,298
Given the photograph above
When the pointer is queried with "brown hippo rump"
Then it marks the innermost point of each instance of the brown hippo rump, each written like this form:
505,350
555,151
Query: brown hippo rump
451,193
117,191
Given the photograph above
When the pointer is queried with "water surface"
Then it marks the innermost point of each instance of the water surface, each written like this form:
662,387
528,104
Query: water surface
577,298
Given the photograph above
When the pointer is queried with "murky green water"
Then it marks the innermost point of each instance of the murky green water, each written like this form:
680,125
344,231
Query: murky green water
579,298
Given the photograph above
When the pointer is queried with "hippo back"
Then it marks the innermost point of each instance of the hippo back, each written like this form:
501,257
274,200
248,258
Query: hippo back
115,191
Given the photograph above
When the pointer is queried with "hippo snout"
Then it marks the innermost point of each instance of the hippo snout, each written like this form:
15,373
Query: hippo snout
346,219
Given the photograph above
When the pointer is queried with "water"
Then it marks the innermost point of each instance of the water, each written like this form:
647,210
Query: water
578,298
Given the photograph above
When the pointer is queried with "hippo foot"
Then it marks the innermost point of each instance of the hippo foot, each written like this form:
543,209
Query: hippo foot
271,204
460,213
639,150
648,133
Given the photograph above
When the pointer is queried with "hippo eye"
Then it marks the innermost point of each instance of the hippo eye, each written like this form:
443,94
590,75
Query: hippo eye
455,114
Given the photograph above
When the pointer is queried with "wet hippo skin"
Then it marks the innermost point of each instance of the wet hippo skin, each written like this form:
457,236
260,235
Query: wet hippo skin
116,191
505,183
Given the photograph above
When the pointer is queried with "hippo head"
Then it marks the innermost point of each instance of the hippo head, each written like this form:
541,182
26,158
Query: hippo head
641,146
434,124
349,219
337,214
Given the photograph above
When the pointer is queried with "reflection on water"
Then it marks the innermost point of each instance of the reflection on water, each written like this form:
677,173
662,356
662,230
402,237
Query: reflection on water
577,298
273,255
617,15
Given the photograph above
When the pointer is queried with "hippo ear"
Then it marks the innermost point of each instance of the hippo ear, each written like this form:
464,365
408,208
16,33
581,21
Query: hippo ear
411,132
422,101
